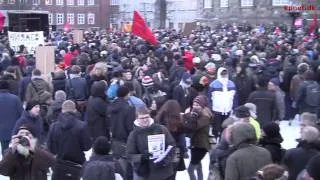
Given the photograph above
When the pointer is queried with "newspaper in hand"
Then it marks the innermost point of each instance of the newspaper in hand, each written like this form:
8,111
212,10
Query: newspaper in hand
156,145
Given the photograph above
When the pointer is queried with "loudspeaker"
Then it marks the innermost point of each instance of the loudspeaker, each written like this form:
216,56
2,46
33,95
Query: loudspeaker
28,22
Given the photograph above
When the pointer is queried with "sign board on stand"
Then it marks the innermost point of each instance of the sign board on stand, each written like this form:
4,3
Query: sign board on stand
77,36
31,40
45,60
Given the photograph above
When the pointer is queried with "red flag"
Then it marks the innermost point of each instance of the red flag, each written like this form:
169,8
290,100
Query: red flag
313,25
2,19
140,28
67,27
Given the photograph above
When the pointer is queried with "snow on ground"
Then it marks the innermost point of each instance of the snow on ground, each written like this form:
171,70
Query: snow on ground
289,134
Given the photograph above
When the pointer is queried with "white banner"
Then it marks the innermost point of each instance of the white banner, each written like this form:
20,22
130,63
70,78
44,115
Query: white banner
30,40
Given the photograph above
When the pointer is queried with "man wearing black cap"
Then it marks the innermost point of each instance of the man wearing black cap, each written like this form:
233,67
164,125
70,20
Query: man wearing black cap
25,159
10,110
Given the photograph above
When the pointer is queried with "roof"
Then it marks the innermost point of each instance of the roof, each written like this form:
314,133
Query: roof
27,12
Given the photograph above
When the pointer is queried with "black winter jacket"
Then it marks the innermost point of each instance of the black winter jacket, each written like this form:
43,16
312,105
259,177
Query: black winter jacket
68,138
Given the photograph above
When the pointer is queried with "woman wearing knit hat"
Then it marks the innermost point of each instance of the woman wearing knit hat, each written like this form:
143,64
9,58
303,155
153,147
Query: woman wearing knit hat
198,123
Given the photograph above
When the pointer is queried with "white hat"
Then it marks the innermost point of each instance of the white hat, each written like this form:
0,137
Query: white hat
196,60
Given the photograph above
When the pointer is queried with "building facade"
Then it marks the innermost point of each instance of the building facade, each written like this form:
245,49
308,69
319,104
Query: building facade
81,14
180,12
251,11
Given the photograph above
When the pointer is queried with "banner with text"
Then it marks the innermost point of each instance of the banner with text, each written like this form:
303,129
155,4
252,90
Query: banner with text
30,40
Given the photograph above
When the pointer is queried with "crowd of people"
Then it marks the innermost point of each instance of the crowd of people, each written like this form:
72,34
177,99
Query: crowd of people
135,104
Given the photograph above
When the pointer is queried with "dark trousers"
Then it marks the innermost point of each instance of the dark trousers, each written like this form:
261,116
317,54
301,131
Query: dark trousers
217,122
197,154
4,145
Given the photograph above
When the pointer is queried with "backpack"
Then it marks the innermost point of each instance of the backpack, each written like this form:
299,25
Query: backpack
312,97
42,95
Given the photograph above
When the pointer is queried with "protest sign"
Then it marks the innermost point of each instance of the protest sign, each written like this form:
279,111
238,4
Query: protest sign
31,40
156,145
77,36
45,59
189,27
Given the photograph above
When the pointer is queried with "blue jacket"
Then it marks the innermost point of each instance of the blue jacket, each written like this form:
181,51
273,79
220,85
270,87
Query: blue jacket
10,110
34,122
221,97
136,102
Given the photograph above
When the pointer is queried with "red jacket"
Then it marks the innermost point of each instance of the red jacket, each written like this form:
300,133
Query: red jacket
67,59
188,60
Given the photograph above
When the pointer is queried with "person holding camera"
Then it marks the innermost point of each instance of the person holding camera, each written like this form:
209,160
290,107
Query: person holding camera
25,159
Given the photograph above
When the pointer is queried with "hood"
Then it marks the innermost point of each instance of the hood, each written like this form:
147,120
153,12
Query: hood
98,89
29,116
275,141
136,124
219,73
66,120
243,133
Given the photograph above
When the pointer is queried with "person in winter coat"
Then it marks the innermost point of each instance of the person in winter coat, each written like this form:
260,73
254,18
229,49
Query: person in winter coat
244,84
26,161
308,94
221,99
56,106
116,82
181,92
296,159
169,116
309,119
176,71
188,63
312,169
10,110
101,165
265,102
98,122
11,77
296,80
38,89
273,86
31,118
68,138
148,166
271,140
133,100
76,86
248,158
58,81
25,82
199,136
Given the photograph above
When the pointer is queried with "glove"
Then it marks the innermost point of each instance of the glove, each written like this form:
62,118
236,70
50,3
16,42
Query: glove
145,157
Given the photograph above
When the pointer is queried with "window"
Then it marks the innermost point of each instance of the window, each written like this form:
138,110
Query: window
60,19
59,2
207,3
48,2
81,18
115,2
280,2
70,2
36,2
70,18
90,2
246,2
80,2
91,18
50,17
11,1
224,3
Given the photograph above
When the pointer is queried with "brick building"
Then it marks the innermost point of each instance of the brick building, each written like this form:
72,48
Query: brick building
81,14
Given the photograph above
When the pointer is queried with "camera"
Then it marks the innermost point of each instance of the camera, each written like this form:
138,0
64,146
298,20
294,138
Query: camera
24,141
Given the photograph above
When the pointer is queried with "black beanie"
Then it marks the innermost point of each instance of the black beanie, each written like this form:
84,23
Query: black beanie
242,112
31,104
101,146
122,91
271,130
4,84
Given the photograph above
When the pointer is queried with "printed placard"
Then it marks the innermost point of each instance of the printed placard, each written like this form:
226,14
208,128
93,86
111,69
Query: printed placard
31,40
